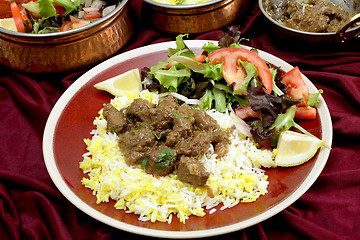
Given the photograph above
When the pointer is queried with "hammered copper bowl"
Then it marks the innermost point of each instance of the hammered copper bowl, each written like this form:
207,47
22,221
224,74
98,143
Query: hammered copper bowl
68,50
347,36
192,19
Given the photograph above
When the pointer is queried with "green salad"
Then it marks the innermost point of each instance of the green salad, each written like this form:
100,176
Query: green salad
229,77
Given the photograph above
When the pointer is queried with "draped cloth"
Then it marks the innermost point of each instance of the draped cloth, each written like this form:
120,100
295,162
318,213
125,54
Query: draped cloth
31,207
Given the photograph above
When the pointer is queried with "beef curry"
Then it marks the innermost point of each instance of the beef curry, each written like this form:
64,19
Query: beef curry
166,137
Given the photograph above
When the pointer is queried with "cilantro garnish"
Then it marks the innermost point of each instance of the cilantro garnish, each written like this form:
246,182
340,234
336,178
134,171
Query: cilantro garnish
138,127
164,158
144,162
156,136
179,116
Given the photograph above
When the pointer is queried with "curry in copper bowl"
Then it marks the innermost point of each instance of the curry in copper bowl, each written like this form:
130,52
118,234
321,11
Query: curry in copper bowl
316,23
192,16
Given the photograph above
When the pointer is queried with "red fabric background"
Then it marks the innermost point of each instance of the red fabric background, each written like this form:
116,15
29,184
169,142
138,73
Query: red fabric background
31,207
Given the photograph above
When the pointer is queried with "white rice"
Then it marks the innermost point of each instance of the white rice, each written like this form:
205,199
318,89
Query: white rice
234,178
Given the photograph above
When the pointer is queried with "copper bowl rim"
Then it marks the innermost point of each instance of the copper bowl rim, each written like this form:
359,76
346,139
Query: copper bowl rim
183,7
298,31
65,33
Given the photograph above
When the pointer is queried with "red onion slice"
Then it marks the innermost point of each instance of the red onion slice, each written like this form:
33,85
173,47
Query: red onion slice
81,14
179,96
185,99
241,125
98,4
91,9
193,102
108,10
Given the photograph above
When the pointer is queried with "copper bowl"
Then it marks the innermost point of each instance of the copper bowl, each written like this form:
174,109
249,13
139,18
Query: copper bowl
68,50
347,36
192,19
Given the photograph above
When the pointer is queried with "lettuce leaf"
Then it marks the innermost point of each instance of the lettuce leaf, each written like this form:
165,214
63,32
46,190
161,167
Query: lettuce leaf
284,121
213,72
46,9
190,63
32,7
210,47
313,100
67,4
231,36
277,91
251,72
172,78
210,71
207,100
159,66
261,101
181,48
220,100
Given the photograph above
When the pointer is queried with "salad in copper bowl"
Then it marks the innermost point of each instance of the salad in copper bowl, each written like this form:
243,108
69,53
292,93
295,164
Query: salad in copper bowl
46,16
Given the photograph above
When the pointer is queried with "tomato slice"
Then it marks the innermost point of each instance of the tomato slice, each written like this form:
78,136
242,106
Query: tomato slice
76,22
60,10
233,73
19,23
305,112
67,25
199,58
92,15
25,19
296,87
265,144
245,112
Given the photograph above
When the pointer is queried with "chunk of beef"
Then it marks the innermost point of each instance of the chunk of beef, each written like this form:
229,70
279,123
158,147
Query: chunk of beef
116,121
192,171
138,111
168,104
184,121
203,121
220,141
171,138
135,143
195,145
163,116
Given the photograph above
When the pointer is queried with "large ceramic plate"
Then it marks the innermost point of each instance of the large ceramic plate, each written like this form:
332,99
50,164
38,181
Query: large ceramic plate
71,121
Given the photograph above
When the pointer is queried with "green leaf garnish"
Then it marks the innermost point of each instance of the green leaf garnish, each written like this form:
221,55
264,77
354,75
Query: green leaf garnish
144,162
179,116
313,100
156,136
164,158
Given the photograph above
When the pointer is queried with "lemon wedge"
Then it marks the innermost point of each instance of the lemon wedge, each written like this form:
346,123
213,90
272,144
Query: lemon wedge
8,23
295,148
126,83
